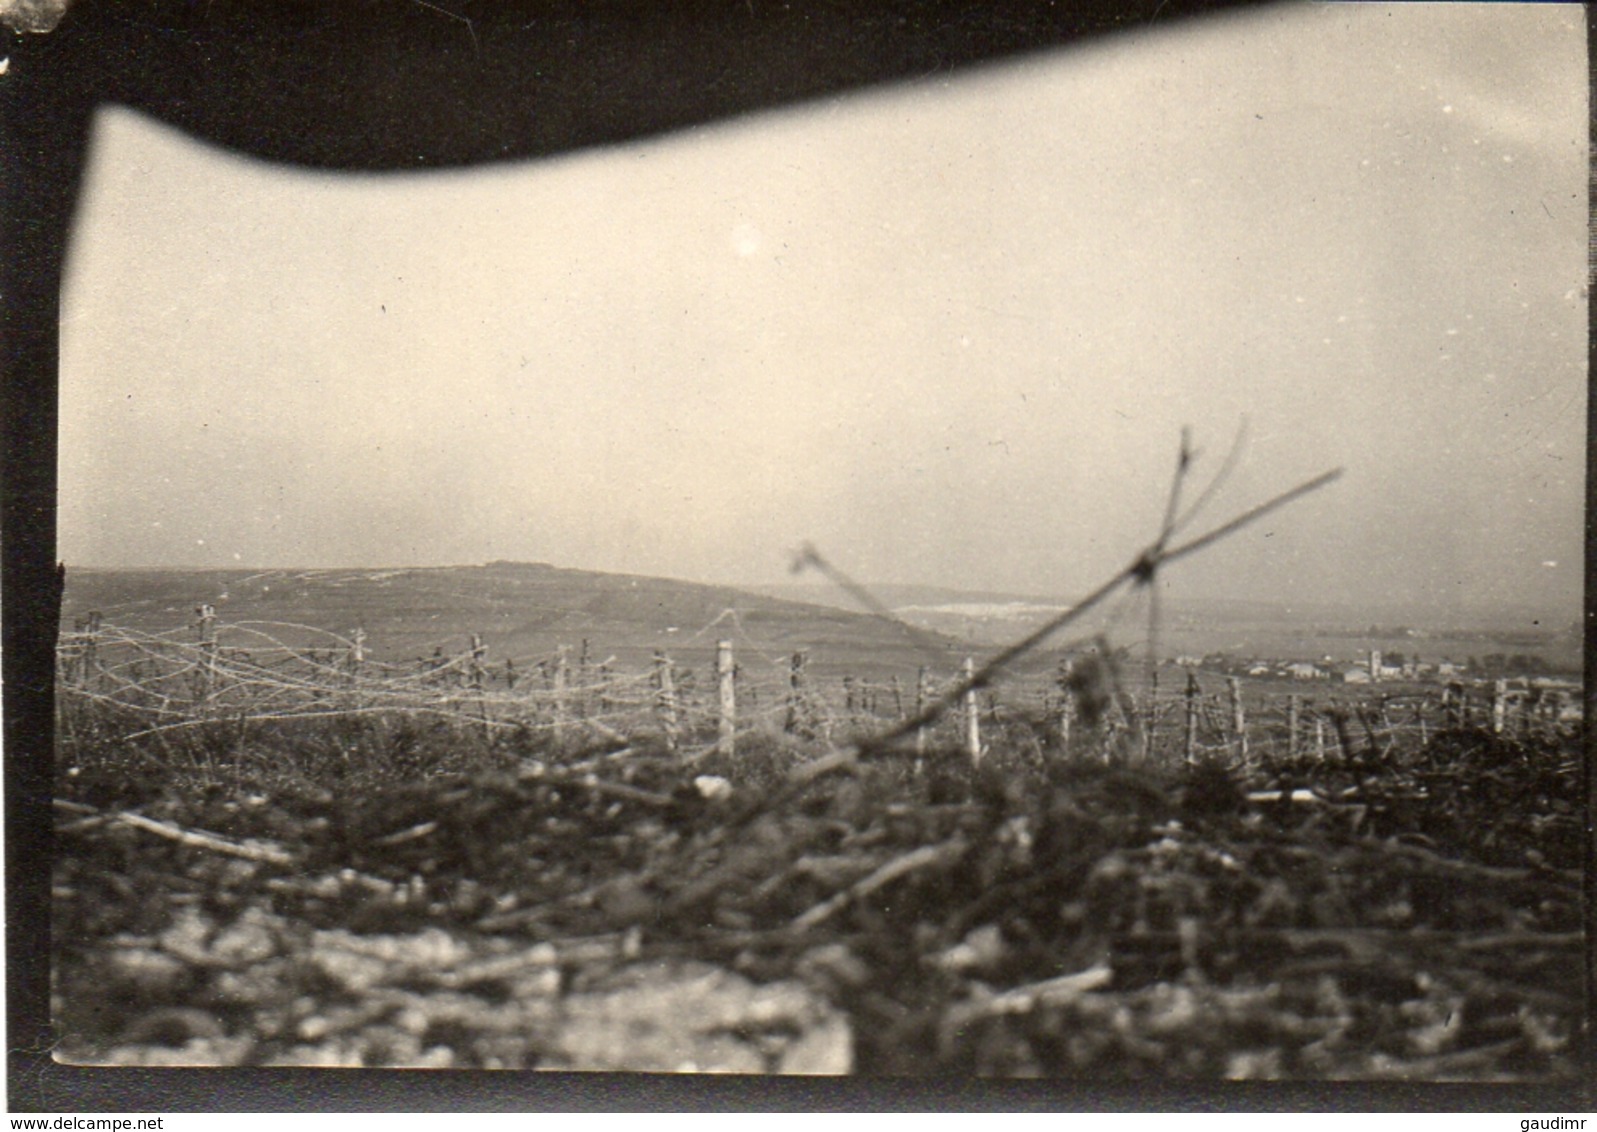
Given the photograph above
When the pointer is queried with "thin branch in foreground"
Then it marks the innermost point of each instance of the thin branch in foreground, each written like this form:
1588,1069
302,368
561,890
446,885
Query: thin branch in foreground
262,851
1184,461
1049,992
925,857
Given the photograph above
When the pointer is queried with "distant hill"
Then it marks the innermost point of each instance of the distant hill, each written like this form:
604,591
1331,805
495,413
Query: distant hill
522,610
526,611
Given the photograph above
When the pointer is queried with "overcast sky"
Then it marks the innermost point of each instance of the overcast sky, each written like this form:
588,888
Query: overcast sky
948,332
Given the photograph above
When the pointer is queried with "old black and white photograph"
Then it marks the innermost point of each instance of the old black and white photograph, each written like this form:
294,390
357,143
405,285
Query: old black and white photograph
946,542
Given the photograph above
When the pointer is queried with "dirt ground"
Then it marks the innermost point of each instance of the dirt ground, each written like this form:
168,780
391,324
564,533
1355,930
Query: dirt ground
377,902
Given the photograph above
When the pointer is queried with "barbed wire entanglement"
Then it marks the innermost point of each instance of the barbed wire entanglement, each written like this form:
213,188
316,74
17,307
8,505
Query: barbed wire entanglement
247,674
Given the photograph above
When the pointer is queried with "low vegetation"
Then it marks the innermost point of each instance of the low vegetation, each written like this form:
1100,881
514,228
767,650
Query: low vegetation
387,889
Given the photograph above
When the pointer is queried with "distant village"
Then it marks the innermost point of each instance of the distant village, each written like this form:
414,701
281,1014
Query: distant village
1389,667
1517,672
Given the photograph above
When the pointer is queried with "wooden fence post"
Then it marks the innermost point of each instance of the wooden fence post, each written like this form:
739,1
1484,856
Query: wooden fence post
1189,745
1319,737
1148,720
797,697
207,629
1239,723
91,651
1339,723
584,682
665,700
562,676
354,663
725,675
1294,709
1499,706
474,672
898,699
357,654
1369,730
1067,702
476,675
923,696
972,715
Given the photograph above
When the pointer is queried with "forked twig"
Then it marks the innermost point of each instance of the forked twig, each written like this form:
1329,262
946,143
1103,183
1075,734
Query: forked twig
1227,466
1250,516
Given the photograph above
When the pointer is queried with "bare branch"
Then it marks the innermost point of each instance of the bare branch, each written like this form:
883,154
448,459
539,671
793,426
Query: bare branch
1250,516
262,851
1227,466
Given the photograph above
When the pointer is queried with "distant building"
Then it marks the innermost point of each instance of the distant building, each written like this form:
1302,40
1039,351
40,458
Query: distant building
1304,671
1356,676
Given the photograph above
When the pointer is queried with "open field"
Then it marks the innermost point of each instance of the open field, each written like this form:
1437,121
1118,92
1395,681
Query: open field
287,844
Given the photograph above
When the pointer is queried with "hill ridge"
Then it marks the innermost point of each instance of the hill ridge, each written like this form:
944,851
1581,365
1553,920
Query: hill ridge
520,610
